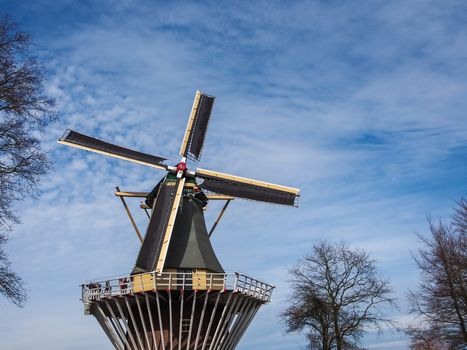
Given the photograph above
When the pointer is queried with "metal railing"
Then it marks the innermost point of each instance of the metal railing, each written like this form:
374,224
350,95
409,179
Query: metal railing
152,281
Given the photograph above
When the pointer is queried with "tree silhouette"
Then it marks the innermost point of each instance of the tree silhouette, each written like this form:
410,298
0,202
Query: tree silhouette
336,294
440,299
25,111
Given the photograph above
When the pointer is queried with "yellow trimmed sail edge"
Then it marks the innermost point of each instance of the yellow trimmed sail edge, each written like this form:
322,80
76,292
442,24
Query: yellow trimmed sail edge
216,174
170,226
110,154
189,126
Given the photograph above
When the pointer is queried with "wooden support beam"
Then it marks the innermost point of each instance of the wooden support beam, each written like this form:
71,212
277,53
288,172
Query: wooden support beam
212,197
215,197
219,217
130,216
119,193
219,197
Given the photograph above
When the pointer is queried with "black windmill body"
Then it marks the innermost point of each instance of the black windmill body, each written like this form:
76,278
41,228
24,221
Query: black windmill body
159,305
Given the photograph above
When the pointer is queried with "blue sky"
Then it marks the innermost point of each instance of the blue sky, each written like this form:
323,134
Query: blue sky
360,104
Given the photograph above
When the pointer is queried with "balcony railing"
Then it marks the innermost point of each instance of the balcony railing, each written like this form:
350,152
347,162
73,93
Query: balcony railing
153,281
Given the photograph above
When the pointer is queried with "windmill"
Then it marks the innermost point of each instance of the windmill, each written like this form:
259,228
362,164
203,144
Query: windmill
178,296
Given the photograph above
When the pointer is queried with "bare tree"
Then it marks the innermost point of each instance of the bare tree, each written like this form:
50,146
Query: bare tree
337,293
440,299
24,112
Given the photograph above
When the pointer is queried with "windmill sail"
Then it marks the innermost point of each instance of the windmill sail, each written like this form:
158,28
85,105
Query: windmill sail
169,226
247,188
75,139
195,132
152,243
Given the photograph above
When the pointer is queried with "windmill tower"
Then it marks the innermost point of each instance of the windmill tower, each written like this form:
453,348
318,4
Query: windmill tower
178,296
